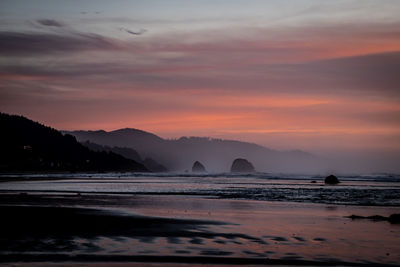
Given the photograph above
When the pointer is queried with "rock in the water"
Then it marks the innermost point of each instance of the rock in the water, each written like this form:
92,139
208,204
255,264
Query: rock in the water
394,218
242,165
331,179
198,167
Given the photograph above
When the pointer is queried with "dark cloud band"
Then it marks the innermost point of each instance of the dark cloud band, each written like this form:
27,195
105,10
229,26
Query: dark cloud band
32,43
50,22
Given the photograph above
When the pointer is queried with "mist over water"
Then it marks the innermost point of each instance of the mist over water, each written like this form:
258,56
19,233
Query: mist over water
361,162
217,155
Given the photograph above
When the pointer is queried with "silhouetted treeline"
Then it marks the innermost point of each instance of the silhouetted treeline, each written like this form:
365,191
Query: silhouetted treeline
128,153
30,146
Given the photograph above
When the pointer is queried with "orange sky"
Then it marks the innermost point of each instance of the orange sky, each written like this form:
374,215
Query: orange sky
313,75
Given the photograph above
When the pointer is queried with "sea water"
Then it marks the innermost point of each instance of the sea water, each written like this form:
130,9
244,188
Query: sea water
366,190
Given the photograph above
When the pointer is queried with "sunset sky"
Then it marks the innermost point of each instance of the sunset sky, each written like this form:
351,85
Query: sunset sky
311,75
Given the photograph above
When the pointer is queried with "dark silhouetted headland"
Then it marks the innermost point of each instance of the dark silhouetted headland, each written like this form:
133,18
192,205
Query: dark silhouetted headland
30,146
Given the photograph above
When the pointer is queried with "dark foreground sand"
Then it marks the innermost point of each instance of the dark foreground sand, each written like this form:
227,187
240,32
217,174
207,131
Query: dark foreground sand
148,230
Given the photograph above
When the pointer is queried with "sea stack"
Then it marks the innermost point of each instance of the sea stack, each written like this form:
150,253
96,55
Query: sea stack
331,179
242,165
198,167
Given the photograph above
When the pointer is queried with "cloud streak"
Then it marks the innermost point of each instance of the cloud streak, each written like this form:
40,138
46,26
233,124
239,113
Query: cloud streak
50,23
37,43
369,75
140,32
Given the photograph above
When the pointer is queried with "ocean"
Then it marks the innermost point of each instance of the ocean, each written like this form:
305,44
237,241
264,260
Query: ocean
367,190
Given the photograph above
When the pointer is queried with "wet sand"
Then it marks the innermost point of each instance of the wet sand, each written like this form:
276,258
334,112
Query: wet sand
92,229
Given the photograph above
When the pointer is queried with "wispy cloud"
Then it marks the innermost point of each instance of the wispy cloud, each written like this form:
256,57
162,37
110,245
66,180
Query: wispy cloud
359,76
38,43
140,32
50,22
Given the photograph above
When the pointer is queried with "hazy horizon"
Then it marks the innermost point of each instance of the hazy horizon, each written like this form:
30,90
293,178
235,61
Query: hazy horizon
336,161
316,76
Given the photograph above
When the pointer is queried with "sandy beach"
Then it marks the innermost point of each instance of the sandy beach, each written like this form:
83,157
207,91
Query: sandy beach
129,229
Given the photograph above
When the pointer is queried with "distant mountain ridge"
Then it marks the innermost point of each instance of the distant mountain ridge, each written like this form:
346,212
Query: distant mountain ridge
30,146
216,154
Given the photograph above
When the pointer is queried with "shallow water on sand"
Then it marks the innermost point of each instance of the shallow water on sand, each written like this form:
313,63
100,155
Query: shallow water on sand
295,231
199,219
142,228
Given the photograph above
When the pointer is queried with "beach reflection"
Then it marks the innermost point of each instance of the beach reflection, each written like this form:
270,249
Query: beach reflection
186,227
285,231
